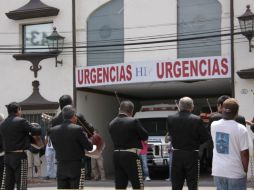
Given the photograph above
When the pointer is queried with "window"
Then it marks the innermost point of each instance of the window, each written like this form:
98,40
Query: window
155,126
105,27
199,18
34,37
36,118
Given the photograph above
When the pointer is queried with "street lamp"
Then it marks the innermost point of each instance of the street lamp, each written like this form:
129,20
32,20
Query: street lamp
55,44
247,25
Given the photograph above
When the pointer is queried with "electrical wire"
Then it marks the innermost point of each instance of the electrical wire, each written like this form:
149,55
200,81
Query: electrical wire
134,43
83,52
143,37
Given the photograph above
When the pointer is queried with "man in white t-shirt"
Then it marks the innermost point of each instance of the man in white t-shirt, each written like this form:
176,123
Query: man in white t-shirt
231,149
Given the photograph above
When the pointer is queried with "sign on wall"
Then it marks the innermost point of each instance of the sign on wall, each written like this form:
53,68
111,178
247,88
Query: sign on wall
154,71
35,37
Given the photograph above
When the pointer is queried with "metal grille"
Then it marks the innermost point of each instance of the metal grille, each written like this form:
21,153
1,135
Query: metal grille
36,118
157,150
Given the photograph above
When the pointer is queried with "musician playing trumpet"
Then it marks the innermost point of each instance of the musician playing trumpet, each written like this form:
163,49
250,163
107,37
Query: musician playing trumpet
69,142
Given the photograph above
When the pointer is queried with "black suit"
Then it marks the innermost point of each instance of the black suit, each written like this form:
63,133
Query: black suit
15,134
187,133
1,161
70,143
127,133
57,120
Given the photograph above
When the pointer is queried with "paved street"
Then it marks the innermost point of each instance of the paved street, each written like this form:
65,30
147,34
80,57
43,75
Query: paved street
146,188
205,184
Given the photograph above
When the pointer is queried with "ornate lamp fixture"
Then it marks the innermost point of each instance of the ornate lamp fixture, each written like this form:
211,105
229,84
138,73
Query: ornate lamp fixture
247,25
55,44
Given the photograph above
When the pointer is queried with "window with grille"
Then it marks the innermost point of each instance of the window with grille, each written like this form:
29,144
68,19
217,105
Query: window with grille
36,118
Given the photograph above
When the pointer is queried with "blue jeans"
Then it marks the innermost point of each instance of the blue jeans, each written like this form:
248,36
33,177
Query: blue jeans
143,159
223,183
170,156
50,159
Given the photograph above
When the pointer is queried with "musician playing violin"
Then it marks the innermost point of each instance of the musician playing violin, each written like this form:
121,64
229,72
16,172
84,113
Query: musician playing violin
69,142
251,123
218,115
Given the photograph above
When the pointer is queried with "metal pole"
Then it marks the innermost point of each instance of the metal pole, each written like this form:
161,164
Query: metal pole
232,48
74,52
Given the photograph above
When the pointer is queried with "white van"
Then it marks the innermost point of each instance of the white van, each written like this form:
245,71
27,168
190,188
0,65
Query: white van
154,120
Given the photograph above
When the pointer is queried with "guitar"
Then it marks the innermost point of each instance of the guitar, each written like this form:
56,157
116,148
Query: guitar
98,143
45,117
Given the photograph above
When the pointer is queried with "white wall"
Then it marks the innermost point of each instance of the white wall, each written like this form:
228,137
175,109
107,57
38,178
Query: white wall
99,110
244,89
83,10
146,18
16,77
244,60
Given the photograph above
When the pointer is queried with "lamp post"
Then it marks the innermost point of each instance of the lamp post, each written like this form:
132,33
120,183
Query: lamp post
246,22
55,44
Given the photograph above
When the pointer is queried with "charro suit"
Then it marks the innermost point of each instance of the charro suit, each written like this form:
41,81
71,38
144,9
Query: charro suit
57,120
15,134
187,133
1,160
127,133
70,143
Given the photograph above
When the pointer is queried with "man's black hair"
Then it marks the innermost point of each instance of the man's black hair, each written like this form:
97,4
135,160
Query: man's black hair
12,108
221,99
65,100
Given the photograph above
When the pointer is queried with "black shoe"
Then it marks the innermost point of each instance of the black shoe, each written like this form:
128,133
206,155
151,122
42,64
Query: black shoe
46,178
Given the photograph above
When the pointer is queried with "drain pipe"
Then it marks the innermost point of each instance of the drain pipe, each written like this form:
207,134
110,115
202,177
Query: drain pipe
232,48
74,51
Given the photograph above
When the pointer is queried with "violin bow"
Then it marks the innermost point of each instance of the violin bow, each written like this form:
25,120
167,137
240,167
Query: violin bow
209,105
117,98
